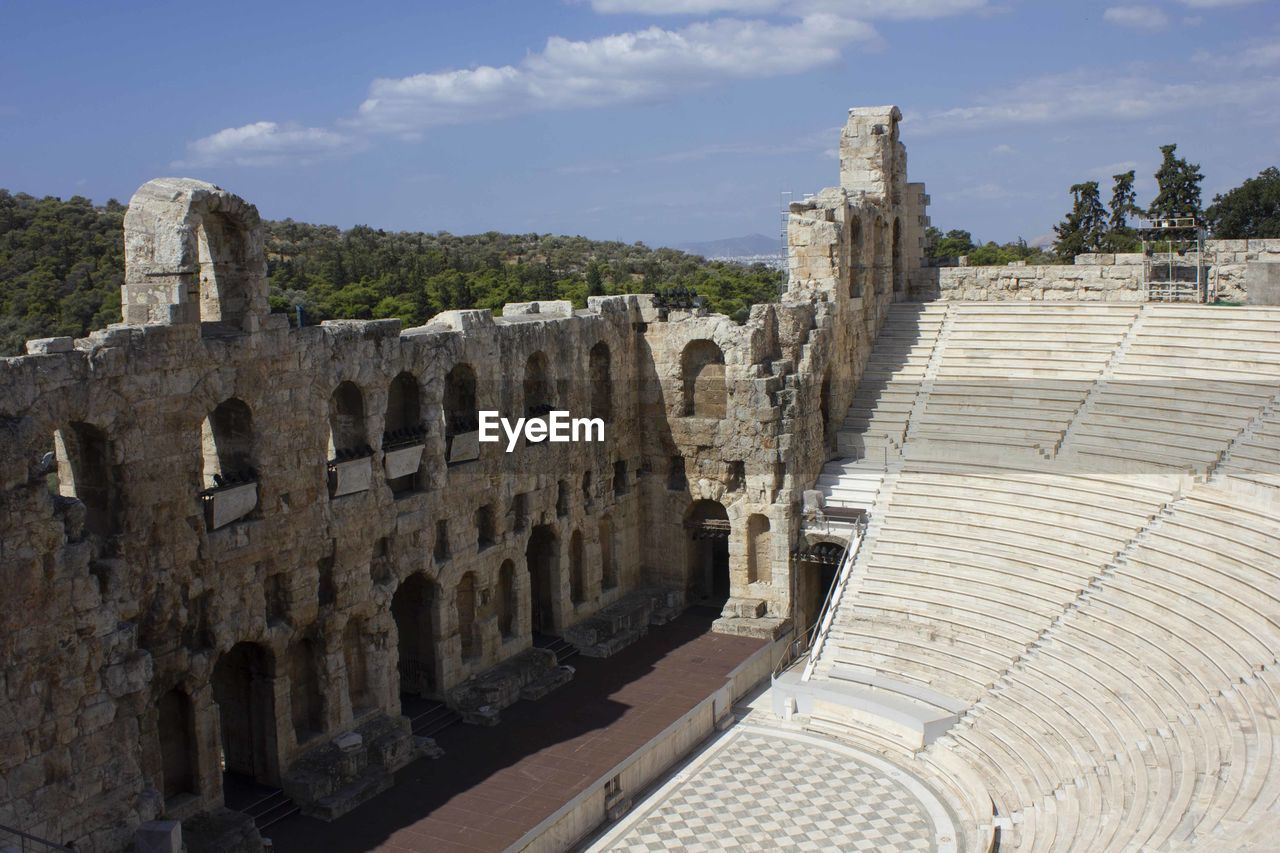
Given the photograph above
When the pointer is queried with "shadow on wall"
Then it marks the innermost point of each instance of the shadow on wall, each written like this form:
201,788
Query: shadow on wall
435,797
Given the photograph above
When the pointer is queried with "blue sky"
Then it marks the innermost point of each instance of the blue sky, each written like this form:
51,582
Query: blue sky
658,120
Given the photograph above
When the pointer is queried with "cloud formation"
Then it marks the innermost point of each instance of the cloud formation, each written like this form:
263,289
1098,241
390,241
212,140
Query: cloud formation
1094,95
649,64
1150,18
866,10
624,68
265,143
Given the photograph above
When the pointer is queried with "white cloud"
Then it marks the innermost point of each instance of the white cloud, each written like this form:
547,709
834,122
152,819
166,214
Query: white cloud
1216,4
1004,150
1101,95
1150,18
628,67
861,9
265,143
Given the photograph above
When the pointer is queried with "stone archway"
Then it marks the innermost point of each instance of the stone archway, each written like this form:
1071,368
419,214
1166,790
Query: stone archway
412,608
194,253
245,696
542,560
707,531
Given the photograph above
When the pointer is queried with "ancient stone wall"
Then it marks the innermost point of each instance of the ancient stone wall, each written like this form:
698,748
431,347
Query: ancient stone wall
1097,277
225,541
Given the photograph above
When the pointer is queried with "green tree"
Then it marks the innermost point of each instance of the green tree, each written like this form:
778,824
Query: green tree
1251,210
1179,187
1084,229
1124,203
595,280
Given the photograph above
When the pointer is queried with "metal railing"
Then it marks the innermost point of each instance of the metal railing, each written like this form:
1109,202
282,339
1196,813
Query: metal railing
808,644
15,839
833,600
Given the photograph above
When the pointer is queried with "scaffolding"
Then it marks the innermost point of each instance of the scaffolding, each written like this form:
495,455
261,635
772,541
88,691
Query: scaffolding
784,205
1175,266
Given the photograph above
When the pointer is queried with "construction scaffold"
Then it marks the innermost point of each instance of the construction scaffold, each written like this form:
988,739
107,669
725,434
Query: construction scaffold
1175,267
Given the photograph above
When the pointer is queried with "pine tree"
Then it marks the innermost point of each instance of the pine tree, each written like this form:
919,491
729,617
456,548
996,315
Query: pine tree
1179,183
1085,226
1120,237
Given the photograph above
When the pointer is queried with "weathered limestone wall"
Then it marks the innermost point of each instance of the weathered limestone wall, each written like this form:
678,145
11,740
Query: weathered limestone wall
319,569
1098,277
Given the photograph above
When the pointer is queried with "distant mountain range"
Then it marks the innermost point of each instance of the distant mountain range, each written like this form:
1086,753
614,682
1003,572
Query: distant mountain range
752,245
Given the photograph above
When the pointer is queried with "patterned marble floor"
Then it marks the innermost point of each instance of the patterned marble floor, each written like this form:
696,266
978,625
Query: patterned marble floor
758,788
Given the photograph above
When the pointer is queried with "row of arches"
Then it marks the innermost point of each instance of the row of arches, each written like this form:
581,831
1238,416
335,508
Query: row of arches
244,686
897,274
229,445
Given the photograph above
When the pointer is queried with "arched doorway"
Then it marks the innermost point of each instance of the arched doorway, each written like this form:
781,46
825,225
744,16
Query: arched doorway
816,575
177,744
542,557
411,608
707,529
243,691
507,606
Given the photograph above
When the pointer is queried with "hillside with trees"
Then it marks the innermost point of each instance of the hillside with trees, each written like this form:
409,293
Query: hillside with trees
62,264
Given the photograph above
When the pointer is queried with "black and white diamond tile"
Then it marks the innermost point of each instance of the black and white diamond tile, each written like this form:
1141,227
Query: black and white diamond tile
772,793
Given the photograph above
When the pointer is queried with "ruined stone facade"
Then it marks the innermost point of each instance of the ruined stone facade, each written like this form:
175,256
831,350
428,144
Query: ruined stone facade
225,542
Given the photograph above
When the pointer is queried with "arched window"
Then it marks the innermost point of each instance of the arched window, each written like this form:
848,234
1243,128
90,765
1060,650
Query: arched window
562,498
601,385
608,569
759,559
86,471
855,256
347,422
465,601
226,441
460,405
485,534
507,599
356,658
539,395
702,367
304,691
619,478
404,414
577,579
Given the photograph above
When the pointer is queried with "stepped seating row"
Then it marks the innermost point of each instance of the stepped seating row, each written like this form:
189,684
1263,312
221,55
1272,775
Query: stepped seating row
970,565
1257,457
1189,381
1017,378
1146,716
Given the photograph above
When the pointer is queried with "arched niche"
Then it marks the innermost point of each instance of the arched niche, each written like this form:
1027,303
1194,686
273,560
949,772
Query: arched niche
599,365
702,369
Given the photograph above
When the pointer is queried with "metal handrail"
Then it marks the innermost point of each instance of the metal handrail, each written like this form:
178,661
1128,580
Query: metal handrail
833,597
30,843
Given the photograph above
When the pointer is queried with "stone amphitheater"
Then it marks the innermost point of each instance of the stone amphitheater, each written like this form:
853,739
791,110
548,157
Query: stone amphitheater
1001,544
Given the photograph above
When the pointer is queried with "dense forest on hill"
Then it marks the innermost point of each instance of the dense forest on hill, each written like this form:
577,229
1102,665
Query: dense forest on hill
62,263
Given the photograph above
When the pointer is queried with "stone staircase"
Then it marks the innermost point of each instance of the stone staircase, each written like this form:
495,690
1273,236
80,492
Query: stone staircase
876,424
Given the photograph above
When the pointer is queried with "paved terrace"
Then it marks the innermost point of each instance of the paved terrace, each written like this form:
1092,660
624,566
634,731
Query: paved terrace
493,785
